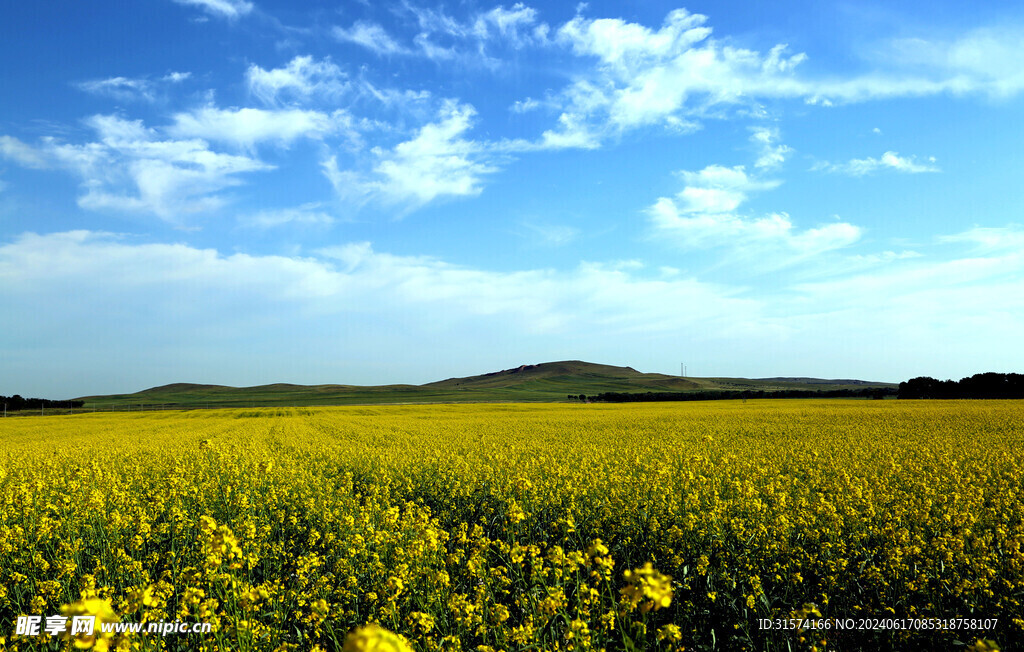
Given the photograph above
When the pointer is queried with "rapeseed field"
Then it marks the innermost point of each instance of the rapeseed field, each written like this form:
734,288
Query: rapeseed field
760,525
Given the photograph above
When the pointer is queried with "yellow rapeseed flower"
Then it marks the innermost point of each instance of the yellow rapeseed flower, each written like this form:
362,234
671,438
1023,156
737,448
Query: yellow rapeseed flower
647,584
94,611
374,638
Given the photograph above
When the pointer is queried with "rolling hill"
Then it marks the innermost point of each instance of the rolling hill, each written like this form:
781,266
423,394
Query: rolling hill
549,381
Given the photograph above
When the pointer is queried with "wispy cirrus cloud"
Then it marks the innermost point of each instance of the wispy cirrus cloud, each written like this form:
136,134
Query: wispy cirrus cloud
442,37
308,214
222,8
120,88
22,153
301,80
517,26
889,161
550,235
980,60
370,36
132,89
987,239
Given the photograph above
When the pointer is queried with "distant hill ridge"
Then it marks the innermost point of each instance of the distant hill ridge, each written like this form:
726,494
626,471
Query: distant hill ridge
547,381
817,381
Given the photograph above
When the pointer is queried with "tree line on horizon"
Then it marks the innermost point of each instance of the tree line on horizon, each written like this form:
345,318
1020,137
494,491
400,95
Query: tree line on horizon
989,385
16,402
986,385
716,394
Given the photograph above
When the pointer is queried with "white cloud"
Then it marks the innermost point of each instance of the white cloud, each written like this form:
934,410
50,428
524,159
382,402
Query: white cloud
982,60
224,8
354,279
437,162
433,51
703,215
514,25
24,155
248,126
524,106
718,189
443,38
646,77
905,164
431,21
306,81
625,46
881,258
116,131
127,89
302,79
770,155
990,239
676,74
371,36
309,214
120,88
171,179
750,235
888,161
346,183
552,235
957,285
408,100
573,132
132,169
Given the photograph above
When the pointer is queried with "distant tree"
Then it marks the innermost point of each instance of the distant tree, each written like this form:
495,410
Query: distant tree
17,402
920,387
992,385
986,385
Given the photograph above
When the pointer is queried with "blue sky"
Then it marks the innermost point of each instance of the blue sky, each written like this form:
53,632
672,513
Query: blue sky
237,192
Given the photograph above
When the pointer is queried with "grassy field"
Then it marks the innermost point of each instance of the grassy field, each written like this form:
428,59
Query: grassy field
551,381
523,527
